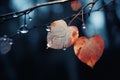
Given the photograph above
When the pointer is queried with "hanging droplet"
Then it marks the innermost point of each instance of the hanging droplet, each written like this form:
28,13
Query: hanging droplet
49,44
18,31
30,19
48,28
64,48
23,29
15,15
90,6
83,26
10,41
4,37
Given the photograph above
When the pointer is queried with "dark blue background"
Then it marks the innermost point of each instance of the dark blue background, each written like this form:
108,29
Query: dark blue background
30,60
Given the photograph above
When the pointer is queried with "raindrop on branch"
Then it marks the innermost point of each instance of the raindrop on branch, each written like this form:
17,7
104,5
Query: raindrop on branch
23,29
83,26
30,19
15,15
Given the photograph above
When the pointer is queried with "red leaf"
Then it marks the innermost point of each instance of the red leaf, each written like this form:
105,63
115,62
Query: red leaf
90,50
75,5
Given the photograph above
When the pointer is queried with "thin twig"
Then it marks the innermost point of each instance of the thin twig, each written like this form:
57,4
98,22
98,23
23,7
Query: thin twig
34,7
74,16
79,13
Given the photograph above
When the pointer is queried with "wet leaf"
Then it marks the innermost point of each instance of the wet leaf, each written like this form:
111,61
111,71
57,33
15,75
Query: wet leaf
61,35
5,46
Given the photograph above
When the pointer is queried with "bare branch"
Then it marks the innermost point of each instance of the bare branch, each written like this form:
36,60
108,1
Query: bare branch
80,12
34,7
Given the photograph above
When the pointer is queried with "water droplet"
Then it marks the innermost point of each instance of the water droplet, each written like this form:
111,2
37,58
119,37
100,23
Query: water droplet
4,37
90,8
18,31
30,19
64,48
49,44
23,29
15,15
83,26
10,41
48,28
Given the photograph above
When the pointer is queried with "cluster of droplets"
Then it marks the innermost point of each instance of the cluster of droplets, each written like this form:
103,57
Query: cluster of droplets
5,44
5,38
23,29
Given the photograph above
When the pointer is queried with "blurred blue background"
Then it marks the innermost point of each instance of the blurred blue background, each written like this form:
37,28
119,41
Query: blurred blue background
30,60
